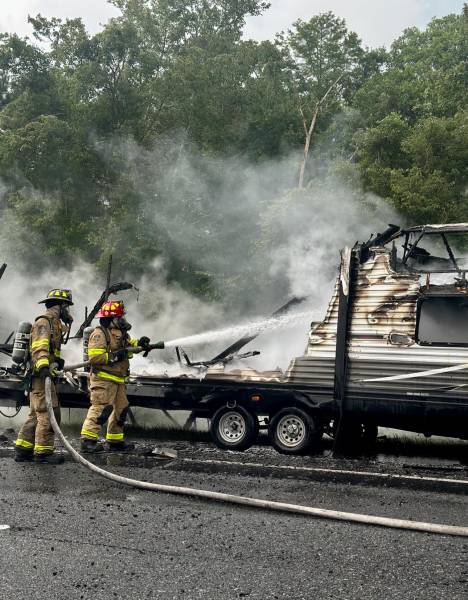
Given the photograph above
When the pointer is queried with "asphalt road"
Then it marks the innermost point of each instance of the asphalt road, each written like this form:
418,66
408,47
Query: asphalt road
75,535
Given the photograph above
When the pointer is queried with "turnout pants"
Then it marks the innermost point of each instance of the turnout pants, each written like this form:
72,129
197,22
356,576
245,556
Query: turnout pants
37,434
108,403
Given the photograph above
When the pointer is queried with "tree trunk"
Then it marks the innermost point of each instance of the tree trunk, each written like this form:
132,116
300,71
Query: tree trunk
308,136
309,130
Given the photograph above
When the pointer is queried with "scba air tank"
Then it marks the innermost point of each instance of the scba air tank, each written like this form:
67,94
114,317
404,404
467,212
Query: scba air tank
86,335
21,344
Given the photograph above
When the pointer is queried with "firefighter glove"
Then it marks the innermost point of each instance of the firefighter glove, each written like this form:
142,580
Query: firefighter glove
60,364
44,373
118,356
143,342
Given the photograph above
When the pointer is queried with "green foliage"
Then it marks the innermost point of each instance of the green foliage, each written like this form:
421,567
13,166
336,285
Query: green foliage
413,151
323,51
425,74
421,169
137,140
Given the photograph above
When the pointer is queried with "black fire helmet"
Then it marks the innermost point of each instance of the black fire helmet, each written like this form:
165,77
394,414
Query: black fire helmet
57,295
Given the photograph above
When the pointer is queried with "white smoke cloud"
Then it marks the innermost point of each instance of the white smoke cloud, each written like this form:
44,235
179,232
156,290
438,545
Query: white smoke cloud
160,311
261,242
251,227
296,252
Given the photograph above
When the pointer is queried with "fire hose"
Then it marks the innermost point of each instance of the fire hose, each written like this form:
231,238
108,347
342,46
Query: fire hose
246,501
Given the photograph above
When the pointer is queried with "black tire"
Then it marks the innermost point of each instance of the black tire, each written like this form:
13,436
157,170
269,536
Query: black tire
293,431
234,428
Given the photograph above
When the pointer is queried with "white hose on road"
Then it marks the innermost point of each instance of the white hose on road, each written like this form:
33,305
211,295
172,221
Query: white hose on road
252,502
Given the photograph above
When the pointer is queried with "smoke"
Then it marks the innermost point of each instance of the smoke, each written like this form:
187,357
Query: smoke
243,236
209,242
234,241
151,311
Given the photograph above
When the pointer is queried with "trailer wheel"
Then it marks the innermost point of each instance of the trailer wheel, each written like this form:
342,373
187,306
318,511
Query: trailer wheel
293,431
234,428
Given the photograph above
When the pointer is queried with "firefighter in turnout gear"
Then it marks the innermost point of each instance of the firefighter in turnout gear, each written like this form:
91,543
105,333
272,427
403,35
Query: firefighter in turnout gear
109,359
36,437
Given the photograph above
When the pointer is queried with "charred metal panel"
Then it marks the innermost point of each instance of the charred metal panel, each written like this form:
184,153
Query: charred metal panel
382,343
346,292
245,374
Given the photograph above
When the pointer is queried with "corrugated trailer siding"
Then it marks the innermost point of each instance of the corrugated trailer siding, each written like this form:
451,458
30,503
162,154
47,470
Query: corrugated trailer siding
385,302
320,372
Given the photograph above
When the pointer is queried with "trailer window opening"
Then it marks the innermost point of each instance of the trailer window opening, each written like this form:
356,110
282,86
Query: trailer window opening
443,321
435,251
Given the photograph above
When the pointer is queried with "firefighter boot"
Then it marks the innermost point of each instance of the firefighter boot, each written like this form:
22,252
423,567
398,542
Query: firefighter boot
49,459
23,455
119,447
88,446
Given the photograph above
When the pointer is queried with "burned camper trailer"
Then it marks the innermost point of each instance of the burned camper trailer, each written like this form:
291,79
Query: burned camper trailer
393,346
391,351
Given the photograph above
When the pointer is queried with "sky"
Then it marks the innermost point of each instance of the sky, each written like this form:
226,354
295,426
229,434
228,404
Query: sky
377,22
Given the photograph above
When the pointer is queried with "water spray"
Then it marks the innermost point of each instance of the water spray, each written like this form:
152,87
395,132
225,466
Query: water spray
252,327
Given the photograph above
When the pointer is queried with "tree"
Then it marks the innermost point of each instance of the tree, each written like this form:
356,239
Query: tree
425,74
154,136
323,57
411,148
420,169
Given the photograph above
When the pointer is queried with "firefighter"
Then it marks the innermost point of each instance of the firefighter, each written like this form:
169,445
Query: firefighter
109,358
36,437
